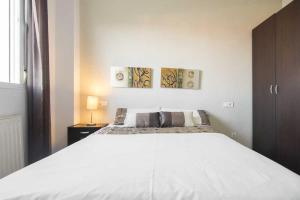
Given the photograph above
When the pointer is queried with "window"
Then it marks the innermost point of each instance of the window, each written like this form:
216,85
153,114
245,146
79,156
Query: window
11,41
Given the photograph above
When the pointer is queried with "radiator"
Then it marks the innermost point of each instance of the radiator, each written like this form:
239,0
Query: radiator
11,144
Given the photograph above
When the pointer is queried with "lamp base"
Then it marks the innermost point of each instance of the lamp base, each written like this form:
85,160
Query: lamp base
91,124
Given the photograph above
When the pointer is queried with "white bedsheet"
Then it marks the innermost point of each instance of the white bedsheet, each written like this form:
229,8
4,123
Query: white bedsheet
206,166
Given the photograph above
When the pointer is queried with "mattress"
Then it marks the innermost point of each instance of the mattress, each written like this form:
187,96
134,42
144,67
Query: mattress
184,166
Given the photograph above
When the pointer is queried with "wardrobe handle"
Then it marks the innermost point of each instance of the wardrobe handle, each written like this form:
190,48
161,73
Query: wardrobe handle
271,89
276,89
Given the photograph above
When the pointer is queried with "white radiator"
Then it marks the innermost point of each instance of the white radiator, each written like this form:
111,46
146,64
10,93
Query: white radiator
11,144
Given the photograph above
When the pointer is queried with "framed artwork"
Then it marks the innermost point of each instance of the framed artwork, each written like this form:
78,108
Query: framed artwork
180,78
131,77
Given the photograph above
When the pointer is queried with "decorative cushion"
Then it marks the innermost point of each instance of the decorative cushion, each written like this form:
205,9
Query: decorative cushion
195,120
188,119
147,120
172,119
200,118
130,119
120,116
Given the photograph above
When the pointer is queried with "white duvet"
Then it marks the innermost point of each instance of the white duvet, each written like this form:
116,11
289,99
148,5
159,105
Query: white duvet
206,166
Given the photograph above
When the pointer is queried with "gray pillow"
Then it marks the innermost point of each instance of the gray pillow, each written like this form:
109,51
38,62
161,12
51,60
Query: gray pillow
147,120
172,119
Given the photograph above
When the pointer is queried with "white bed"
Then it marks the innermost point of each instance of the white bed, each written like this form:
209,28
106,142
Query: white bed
208,166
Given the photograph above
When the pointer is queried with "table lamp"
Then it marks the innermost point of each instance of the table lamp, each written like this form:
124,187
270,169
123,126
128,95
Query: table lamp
92,105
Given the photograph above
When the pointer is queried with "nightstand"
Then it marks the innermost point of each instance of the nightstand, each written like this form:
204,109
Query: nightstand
80,131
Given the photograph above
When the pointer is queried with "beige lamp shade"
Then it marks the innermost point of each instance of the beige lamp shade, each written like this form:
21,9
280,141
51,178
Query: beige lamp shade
92,103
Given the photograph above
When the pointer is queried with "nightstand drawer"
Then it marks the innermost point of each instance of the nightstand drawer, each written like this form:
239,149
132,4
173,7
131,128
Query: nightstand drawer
78,132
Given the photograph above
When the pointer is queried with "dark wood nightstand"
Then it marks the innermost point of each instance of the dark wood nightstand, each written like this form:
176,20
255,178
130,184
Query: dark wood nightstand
80,131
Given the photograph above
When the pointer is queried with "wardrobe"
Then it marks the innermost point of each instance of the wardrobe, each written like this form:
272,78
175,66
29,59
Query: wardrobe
276,87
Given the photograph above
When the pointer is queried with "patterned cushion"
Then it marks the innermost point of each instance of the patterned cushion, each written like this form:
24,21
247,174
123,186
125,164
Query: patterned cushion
188,119
146,120
172,119
130,119
204,117
120,116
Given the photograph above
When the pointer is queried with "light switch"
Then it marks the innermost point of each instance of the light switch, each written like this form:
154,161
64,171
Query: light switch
228,104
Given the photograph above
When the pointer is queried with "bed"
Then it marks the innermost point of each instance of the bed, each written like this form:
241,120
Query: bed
150,164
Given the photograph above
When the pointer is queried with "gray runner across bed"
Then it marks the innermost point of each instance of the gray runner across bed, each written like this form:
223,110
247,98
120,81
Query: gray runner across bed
130,130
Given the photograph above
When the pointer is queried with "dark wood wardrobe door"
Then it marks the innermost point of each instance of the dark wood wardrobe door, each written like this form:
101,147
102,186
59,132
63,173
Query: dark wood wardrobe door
288,79
264,134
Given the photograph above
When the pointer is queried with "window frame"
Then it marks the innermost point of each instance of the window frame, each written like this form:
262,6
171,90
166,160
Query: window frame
16,66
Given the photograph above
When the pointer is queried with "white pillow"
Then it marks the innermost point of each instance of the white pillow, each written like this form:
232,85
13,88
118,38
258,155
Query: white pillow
130,119
176,110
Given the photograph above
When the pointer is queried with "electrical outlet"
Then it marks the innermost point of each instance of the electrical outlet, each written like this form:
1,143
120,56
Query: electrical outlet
228,104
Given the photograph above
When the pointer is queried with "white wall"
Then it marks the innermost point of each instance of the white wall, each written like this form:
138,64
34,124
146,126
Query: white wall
64,68
286,2
211,35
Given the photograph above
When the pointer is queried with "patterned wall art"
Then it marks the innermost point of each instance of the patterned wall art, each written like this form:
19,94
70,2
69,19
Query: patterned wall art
180,78
131,77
